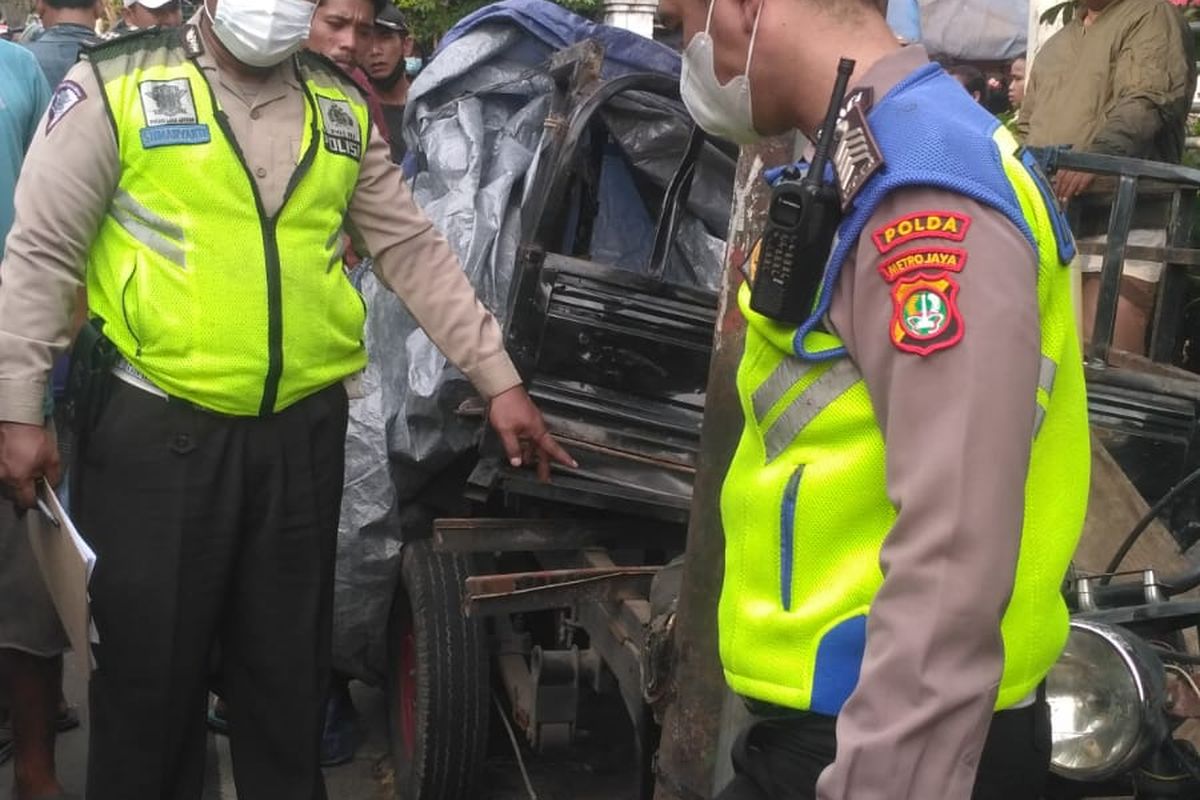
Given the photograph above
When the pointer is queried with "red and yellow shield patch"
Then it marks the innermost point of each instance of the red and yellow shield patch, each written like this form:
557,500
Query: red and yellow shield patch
925,315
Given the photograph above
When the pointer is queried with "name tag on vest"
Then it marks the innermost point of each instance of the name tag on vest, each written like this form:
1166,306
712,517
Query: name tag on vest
169,109
163,135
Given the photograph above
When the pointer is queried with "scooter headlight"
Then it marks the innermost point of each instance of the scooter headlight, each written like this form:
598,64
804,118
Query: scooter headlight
1106,695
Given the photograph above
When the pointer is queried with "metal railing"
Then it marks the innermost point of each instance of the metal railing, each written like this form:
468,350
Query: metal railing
1181,184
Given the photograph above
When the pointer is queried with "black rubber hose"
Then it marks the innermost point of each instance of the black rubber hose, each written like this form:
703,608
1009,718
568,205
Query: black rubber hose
1186,759
1175,656
1180,583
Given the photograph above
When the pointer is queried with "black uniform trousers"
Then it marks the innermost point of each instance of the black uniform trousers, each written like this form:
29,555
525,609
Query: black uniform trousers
782,758
210,530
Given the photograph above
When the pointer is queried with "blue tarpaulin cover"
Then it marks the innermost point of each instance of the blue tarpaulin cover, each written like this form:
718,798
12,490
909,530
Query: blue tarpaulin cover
553,27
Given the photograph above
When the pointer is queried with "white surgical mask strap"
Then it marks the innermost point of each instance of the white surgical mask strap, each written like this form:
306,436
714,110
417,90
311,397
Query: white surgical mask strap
708,20
753,36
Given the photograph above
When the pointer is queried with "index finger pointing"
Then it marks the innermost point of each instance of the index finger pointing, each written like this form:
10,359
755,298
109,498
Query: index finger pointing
552,449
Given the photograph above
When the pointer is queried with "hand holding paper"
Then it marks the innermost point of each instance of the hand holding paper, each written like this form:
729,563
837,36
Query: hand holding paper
66,562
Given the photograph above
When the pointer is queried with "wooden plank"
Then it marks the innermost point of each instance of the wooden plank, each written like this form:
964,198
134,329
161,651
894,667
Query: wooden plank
1114,508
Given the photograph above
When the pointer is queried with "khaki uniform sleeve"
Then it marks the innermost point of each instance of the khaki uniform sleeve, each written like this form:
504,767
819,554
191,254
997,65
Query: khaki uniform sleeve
958,424
68,178
1025,112
1153,83
416,263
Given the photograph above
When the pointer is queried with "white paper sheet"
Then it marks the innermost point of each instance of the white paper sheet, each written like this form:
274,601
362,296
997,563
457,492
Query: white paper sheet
66,562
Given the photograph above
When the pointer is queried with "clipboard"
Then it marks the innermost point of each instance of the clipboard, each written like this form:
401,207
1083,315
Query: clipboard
66,562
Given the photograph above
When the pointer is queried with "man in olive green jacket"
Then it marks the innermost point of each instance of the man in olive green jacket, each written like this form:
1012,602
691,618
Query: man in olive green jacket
1117,80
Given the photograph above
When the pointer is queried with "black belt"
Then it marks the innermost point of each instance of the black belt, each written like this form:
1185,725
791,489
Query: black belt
761,708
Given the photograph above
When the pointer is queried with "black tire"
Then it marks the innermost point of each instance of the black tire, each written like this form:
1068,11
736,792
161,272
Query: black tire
438,690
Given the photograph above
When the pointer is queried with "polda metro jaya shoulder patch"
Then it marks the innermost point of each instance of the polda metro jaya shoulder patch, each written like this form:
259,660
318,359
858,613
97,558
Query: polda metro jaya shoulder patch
919,259
925,315
922,225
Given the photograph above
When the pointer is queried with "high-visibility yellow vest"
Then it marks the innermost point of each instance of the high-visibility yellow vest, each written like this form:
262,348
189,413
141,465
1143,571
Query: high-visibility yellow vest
805,505
204,293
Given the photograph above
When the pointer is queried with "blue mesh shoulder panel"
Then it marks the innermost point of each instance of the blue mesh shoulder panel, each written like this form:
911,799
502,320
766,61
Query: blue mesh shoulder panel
1063,236
931,134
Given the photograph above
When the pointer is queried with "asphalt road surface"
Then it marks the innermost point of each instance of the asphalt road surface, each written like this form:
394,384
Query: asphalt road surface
599,767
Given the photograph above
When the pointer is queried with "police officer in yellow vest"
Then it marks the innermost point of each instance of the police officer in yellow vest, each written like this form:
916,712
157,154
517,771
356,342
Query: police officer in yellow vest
912,476
203,176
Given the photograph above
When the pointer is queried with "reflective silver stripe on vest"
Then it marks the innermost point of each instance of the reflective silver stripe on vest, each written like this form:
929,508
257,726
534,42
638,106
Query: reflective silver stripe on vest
1046,375
339,252
824,390
160,235
1039,416
786,375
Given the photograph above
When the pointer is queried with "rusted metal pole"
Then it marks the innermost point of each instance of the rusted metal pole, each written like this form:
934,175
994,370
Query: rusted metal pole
688,751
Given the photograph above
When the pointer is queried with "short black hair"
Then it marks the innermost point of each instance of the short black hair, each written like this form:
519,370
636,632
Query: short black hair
971,79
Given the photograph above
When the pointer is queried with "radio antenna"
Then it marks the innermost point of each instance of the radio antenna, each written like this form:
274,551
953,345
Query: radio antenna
816,172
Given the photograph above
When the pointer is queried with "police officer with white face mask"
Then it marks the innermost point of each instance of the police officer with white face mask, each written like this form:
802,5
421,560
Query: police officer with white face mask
198,181
911,478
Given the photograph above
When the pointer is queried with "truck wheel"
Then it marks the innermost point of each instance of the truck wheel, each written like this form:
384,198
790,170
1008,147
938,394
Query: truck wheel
438,697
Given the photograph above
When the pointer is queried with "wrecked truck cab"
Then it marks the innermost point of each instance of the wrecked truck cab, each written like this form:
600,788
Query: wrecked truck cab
548,586
558,160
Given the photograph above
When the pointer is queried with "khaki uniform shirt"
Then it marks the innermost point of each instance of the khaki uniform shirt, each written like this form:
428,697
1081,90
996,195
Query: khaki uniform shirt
1120,86
958,424
72,171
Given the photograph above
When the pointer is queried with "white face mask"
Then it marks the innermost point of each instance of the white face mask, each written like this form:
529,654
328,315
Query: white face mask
724,111
262,33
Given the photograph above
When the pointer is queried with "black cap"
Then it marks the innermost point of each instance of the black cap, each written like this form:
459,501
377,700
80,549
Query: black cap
389,17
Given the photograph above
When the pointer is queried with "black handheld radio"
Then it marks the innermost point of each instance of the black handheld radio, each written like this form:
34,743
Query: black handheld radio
801,221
